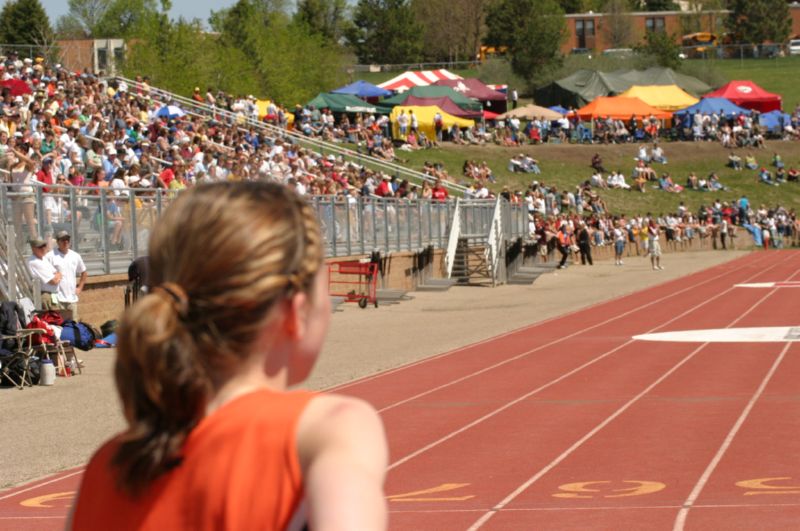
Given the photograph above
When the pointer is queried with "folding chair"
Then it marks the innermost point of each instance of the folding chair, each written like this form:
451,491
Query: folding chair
16,367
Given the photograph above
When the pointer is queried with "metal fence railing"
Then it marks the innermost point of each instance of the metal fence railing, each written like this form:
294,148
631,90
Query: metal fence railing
111,227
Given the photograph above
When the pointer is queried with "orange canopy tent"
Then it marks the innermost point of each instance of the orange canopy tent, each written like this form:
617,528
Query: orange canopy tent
620,108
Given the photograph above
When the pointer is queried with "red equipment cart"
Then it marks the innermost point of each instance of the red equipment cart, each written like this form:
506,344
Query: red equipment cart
360,279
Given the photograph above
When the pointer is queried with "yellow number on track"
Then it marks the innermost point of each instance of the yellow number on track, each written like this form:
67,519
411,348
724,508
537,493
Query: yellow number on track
760,486
444,487
602,489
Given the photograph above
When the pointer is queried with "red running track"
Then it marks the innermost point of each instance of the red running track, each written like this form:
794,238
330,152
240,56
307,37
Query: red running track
570,423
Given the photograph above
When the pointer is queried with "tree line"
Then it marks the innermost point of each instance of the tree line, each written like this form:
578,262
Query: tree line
292,50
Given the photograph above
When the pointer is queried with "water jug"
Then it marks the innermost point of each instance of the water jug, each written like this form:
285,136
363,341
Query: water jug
48,373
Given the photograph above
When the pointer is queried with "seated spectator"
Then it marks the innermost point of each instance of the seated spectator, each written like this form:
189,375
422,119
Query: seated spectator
764,176
777,161
666,184
750,162
658,155
735,161
597,181
617,180
780,175
792,175
643,156
597,163
641,183
530,165
714,183
692,182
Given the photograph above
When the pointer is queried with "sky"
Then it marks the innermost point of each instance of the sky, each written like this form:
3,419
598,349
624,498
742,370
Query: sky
187,9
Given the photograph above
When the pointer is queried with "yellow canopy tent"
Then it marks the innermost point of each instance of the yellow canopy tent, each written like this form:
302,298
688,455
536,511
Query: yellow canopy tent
664,97
425,119
262,106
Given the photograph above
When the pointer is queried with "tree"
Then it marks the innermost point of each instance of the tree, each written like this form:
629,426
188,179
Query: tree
759,21
451,30
532,30
122,17
662,47
25,22
83,17
323,17
659,5
617,24
385,31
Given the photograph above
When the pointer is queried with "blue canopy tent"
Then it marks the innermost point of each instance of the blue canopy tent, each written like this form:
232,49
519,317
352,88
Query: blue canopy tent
559,109
362,89
714,105
775,121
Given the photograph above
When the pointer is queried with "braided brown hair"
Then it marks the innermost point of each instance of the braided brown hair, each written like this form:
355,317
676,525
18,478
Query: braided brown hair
221,256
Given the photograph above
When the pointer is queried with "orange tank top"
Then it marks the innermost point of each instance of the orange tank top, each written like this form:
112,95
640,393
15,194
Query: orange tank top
240,470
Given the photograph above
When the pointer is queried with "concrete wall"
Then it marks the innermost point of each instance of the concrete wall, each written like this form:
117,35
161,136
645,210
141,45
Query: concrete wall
104,296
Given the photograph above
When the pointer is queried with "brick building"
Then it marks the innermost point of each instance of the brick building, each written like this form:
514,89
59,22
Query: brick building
595,31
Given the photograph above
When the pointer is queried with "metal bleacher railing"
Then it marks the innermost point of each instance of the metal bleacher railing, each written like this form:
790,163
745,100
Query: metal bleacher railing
110,227
194,108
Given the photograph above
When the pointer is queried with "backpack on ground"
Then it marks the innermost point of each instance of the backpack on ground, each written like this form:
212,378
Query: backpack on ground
81,335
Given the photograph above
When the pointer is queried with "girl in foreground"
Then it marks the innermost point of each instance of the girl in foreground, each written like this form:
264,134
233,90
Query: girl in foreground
237,314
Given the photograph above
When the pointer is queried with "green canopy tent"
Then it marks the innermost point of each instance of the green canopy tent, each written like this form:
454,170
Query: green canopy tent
579,88
341,103
659,75
583,86
434,92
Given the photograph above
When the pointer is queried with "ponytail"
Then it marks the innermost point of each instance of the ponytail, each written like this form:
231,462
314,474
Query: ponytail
161,383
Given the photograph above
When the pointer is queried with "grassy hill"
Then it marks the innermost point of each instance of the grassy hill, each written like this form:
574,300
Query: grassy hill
568,165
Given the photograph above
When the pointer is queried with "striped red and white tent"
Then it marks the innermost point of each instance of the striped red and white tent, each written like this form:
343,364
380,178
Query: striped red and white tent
420,78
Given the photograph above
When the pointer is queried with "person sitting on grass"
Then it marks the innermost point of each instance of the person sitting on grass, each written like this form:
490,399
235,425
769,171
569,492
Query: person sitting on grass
714,183
792,175
780,175
666,184
617,181
692,181
597,181
657,154
764,176
597,163
640,183
750,162
735,161
777,161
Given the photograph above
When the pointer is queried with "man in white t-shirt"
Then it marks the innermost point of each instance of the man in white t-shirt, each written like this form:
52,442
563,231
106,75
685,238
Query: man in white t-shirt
73,273
48,276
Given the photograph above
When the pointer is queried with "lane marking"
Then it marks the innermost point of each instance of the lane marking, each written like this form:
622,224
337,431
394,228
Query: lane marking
782,284
761,486
34,487
680,520
564,376
588,490
444,487
41,502
598,508
727,268
559,340
580,442
764,334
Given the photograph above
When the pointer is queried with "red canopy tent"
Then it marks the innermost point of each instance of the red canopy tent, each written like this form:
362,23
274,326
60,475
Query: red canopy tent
476,89
446,104
748,95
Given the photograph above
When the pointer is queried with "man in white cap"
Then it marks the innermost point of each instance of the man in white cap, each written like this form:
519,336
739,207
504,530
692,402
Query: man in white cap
48,276
70,266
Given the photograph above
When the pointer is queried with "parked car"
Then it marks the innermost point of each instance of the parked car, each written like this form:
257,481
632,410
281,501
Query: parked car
794,47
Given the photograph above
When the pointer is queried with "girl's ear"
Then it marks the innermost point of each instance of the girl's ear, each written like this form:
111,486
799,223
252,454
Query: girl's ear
295,316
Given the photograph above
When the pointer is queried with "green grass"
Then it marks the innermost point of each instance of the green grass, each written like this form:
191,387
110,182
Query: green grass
566,166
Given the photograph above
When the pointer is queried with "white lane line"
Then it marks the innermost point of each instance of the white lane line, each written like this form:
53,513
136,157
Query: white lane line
726,268
541,388
680,520
34,487
599,508
580,442
550,344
